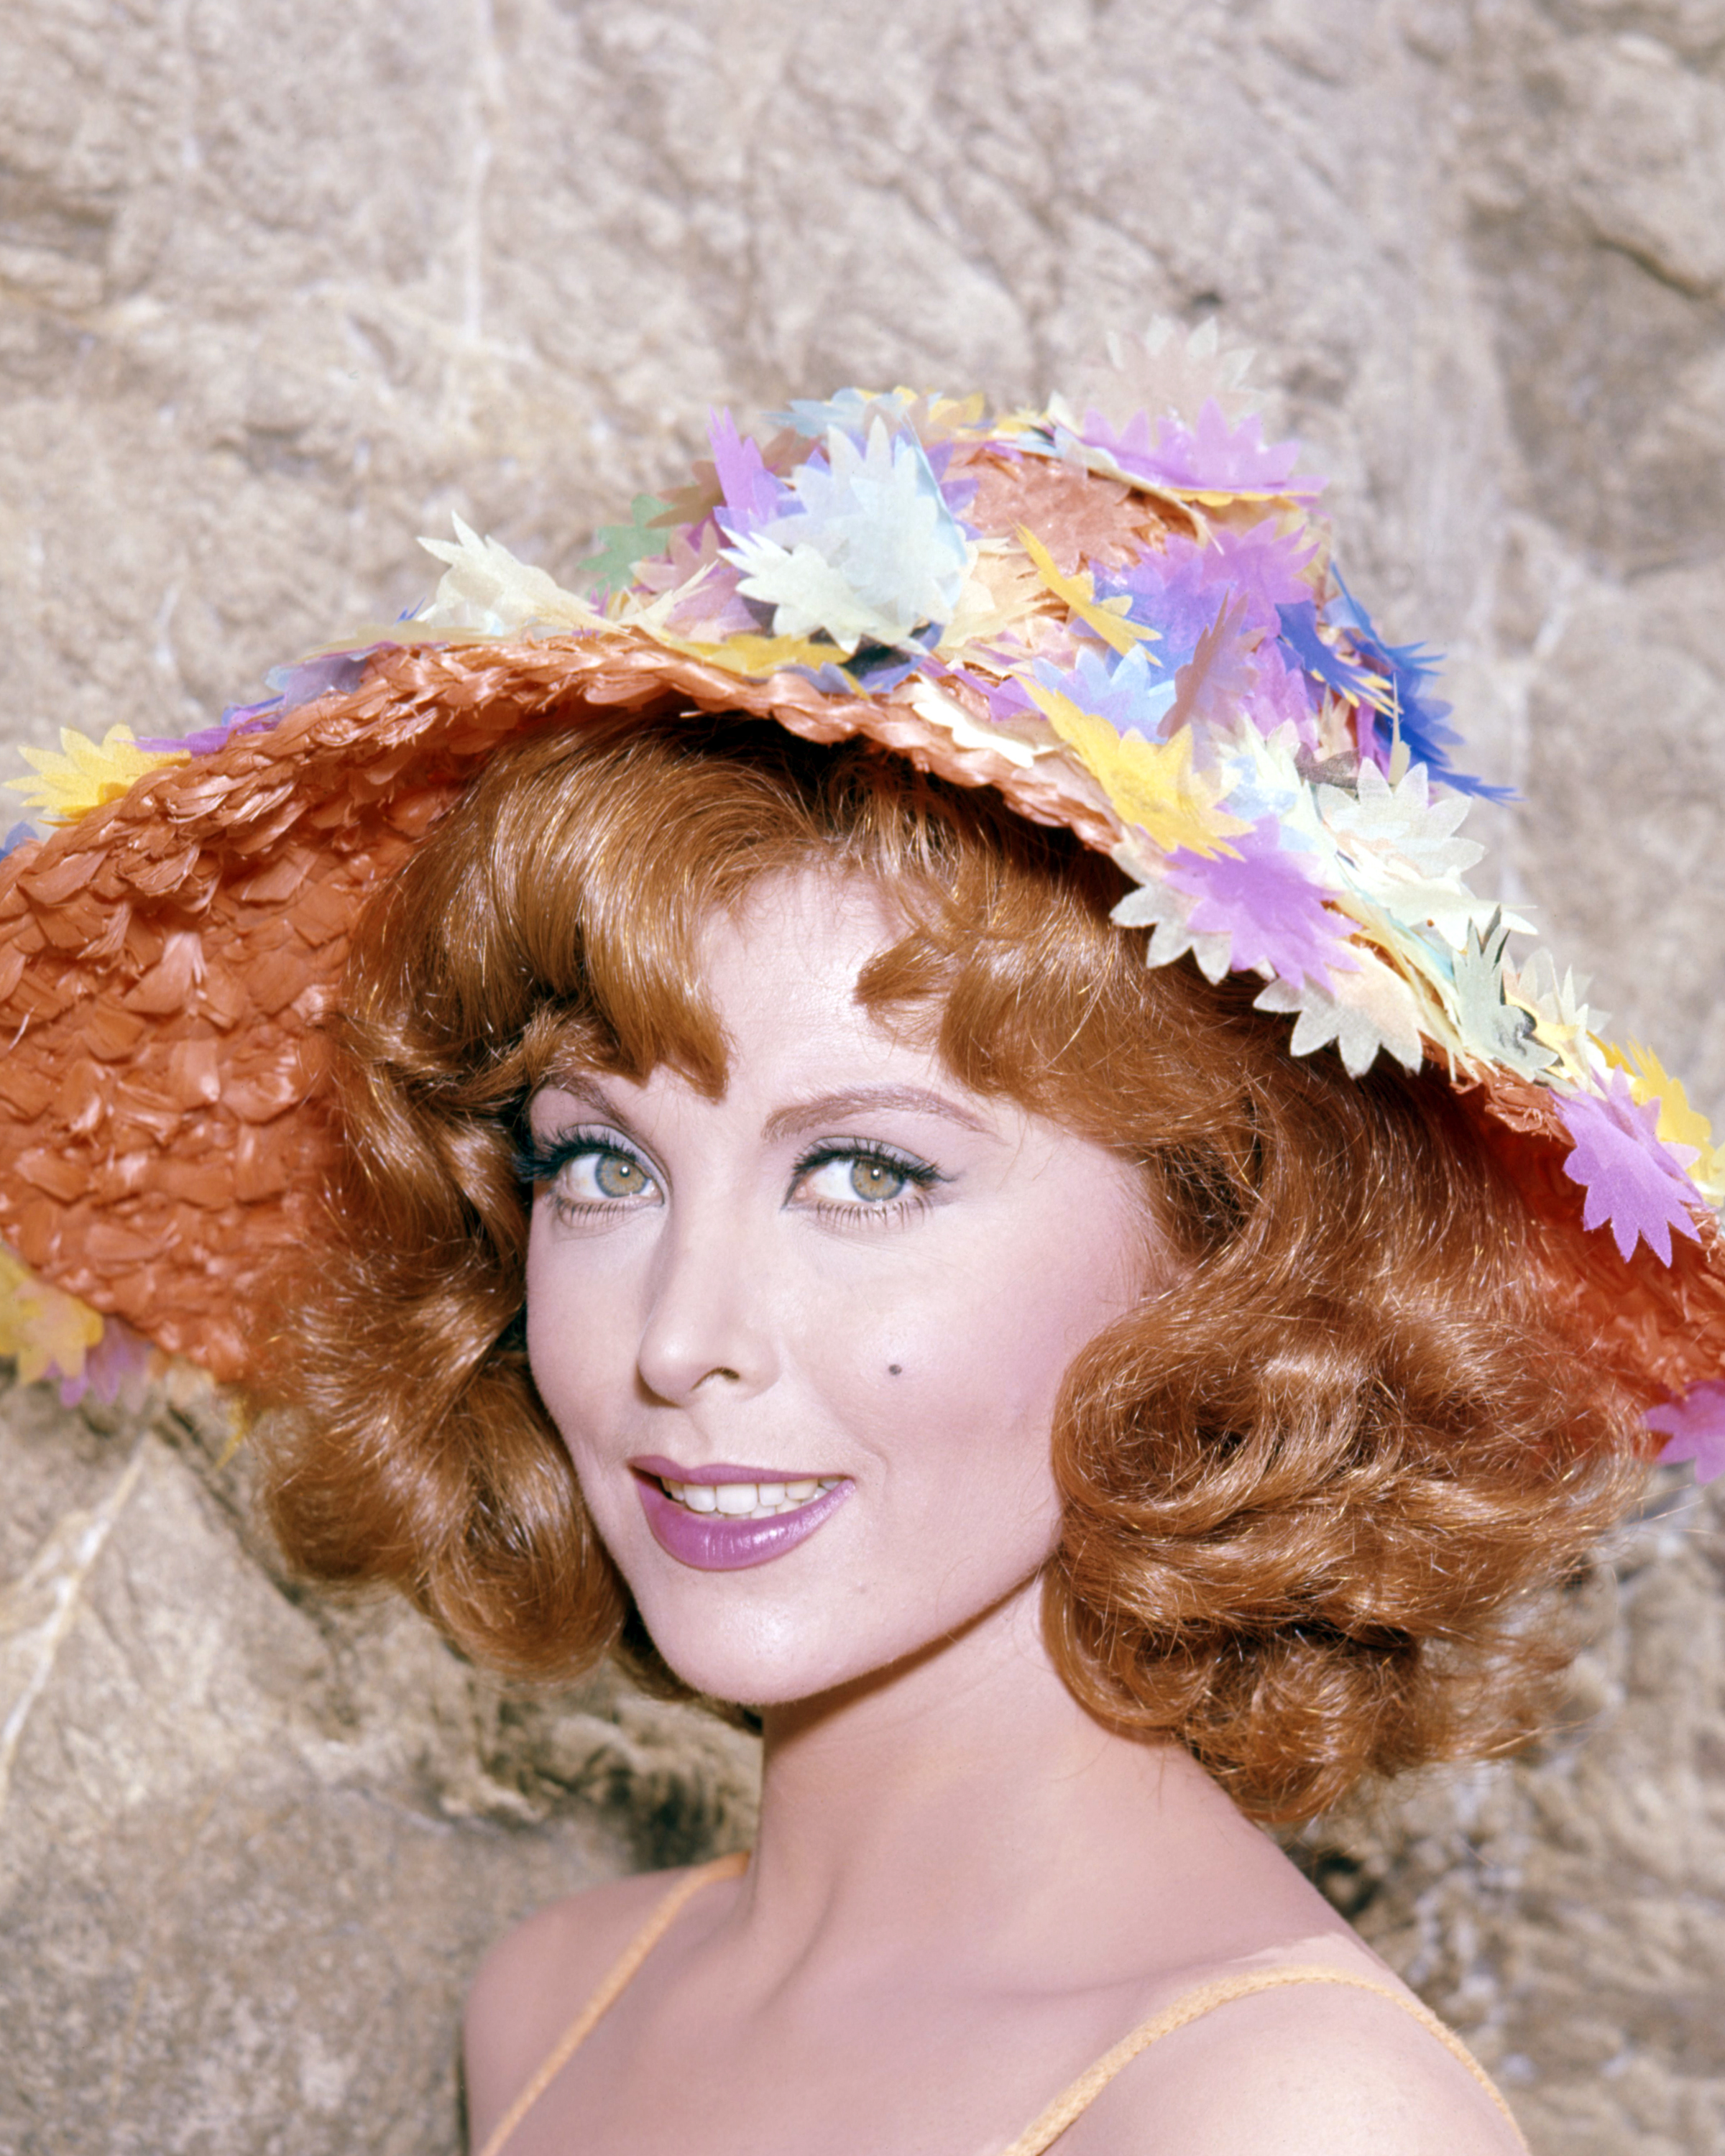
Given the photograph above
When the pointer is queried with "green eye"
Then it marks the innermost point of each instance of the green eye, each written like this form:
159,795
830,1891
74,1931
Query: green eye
618,1176
877,1179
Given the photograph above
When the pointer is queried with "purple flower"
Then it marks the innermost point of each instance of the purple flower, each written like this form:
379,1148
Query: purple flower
753,495
1006,699
1263,561
1694,1429
1634,1183
237,719
1211,457
1264,899
1179,589
1278,696
331,671
1170,593
115,1369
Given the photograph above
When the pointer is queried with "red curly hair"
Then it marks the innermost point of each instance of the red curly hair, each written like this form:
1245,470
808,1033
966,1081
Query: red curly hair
1322,1493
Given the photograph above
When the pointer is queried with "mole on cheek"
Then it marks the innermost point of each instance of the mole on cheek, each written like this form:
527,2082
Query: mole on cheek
895,1369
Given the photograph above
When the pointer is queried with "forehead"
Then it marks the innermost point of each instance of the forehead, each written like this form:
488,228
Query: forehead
824,923
780,974
779,979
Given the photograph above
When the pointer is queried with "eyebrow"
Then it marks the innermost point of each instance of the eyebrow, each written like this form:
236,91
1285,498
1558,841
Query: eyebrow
579,1086
803,1116
587,1091
800,1116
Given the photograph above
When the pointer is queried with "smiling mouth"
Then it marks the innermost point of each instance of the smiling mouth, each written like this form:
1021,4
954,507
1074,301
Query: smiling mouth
727,1517
747,1501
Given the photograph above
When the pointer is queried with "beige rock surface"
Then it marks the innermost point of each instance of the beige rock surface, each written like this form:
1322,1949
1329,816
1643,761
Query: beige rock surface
1564,1911
252,1846
280,287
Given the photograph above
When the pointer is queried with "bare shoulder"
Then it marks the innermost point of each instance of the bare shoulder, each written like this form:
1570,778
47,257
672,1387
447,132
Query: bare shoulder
1311,2070
537,1978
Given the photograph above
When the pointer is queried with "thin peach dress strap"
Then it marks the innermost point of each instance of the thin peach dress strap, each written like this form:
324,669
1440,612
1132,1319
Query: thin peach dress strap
1044,2131
664,1914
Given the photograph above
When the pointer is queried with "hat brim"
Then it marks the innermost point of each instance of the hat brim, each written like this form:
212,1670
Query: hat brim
165,961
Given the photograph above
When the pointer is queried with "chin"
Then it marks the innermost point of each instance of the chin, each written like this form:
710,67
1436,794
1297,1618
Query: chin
775,1651
755,1660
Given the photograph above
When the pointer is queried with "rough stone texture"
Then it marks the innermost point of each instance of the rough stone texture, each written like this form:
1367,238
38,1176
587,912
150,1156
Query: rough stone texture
280,286
1565,1910
253,1845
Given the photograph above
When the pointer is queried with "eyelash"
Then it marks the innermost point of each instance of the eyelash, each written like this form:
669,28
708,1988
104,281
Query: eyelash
920,1177
542,1161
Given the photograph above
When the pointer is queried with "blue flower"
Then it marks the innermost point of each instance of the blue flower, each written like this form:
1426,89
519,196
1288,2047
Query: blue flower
1132,695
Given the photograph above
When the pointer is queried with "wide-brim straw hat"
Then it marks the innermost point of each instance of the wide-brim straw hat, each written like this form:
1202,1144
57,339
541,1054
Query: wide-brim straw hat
1130,625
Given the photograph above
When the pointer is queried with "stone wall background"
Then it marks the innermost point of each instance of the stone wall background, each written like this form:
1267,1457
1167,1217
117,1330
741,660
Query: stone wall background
281,286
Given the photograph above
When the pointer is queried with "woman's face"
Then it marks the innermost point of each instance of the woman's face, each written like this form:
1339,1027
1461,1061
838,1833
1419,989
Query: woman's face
804,1341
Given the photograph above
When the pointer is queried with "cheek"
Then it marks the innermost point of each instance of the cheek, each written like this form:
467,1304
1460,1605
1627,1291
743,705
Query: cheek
991,1365
953,1391
1008,1335
574,1337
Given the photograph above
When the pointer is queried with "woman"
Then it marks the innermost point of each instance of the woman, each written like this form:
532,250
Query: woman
1073,1415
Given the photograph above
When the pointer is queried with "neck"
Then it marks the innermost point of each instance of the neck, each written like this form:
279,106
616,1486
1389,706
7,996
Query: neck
967,1783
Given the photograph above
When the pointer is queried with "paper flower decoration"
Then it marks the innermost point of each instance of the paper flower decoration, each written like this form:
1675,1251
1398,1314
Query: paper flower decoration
1636,1185
1267,904
86,773
865,550
48,1334
1210,456
1694,1429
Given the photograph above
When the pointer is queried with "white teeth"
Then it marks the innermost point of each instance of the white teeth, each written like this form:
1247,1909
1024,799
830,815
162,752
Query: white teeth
749,1500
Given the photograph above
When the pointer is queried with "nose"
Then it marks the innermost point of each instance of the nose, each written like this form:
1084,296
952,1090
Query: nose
708,1322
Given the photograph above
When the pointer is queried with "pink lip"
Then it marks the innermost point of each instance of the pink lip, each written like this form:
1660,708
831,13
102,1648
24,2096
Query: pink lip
710,1543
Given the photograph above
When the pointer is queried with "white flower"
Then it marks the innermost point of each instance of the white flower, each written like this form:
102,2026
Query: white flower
1159,907
1366,1009
485,588
1397,847
1398,830
940,709
870,554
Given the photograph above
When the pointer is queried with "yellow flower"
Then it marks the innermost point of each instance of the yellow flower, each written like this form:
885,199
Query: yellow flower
1107,617
759,657
87,773
41,1328
1150,783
